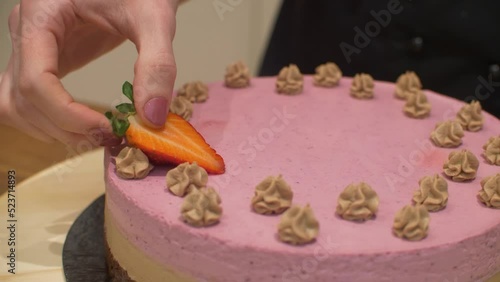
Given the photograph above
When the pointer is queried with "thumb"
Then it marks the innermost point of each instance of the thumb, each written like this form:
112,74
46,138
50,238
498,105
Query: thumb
154,79
155,71
150,25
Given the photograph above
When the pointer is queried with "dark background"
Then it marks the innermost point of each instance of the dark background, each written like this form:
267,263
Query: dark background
449,44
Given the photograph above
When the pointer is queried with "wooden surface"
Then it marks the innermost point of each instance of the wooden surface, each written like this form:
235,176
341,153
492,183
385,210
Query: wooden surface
27,155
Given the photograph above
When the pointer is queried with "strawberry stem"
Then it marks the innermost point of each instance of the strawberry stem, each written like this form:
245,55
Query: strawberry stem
120,124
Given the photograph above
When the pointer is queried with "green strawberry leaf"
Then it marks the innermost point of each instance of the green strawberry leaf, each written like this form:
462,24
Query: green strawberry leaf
128,90
109,115
120,126
126,108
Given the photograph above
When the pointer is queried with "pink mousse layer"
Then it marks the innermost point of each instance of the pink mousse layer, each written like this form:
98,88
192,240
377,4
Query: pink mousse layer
320,141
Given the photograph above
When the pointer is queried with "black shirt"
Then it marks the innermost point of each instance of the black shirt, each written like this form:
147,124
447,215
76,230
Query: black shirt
454,46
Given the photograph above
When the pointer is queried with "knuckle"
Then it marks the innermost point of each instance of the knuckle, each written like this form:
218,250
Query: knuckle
25,86
163,69
158,74
162,62
23,109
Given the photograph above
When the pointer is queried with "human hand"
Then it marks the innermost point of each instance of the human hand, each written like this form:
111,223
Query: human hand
52,38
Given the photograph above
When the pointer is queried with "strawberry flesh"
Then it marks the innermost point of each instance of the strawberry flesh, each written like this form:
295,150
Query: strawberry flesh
177,142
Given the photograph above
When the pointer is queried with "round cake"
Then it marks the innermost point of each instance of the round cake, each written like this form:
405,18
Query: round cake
320,141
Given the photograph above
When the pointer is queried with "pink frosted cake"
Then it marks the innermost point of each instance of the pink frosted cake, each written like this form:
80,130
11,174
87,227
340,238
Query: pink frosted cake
319,141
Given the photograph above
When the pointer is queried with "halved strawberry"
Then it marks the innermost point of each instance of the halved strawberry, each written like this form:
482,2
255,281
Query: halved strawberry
177,142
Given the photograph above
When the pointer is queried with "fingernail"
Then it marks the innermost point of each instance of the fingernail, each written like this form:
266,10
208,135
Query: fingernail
156,110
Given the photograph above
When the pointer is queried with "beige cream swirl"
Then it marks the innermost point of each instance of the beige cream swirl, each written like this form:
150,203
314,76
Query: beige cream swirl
298,226
195,92
185,178
411,223
327,75
492,151
407,84
237,75
417,105
132,163
201,207
432,194
357,202
490,191
272,195
290,81
362,86
447,134
461,166
182,107
470,116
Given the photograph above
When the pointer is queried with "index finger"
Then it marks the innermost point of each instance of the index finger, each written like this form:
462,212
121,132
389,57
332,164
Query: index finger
39,82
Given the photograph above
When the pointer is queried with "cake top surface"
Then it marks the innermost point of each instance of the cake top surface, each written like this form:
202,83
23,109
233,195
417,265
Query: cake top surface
321,141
